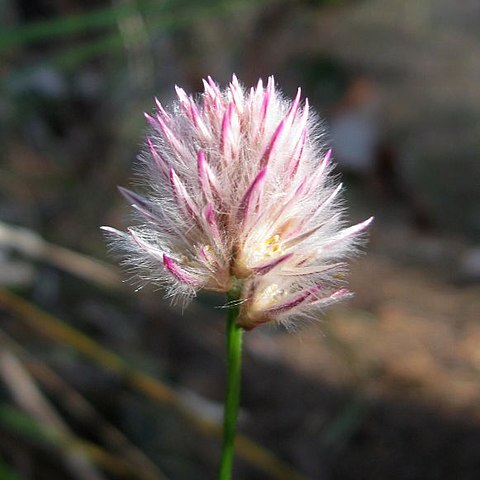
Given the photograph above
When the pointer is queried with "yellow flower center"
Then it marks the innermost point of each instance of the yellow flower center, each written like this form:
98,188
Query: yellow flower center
269,248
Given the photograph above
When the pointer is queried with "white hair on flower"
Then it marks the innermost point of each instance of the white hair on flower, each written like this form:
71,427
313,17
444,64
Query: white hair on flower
239,187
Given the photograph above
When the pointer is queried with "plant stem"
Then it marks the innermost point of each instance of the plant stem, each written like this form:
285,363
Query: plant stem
234,366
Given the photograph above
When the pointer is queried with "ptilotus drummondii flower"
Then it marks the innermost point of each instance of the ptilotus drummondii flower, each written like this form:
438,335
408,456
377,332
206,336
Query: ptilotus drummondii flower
239,198
239,191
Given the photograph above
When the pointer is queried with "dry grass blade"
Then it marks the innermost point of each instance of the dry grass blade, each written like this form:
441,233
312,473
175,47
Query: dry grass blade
30,399
78,406
33,246
58,331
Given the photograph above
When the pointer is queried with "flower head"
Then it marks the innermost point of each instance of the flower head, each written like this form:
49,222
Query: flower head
239,187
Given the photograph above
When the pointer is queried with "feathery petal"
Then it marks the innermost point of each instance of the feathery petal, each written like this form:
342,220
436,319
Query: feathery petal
180,274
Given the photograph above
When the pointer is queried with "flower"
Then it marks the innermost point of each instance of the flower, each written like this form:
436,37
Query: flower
239,188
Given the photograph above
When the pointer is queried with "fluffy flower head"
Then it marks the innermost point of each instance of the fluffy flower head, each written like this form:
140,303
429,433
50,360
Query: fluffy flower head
239,190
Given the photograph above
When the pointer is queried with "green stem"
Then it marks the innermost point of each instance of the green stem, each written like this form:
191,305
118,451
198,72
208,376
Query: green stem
234,366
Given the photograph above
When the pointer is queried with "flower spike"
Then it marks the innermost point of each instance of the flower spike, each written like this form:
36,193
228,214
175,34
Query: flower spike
239,201
238,189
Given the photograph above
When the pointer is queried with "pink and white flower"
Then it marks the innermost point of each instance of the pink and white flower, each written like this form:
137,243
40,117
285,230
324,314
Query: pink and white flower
239,188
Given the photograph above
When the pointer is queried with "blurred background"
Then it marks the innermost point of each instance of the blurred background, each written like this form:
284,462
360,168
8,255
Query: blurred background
100,382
